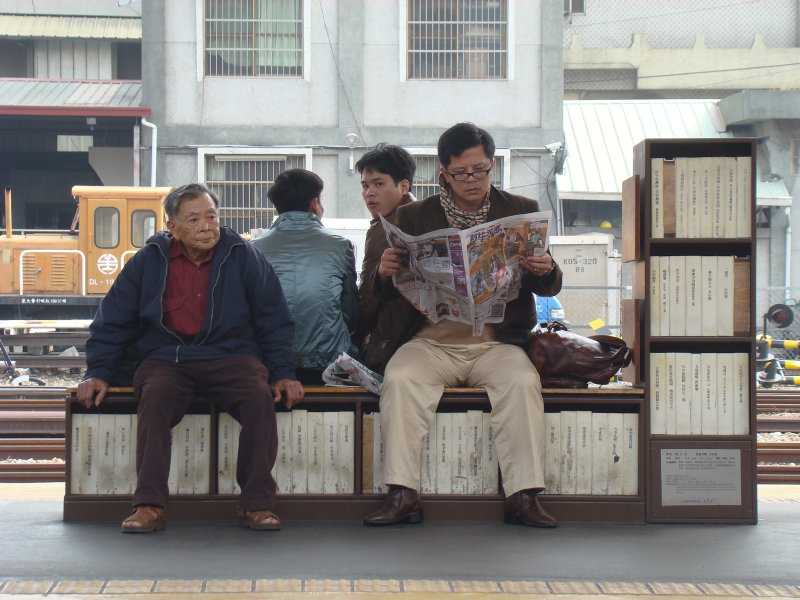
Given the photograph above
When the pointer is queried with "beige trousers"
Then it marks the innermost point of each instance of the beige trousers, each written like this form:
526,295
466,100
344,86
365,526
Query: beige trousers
412,387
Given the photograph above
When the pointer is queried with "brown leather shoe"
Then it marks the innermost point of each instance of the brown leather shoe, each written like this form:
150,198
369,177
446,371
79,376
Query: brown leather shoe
145,519
261,520
523,507
402,505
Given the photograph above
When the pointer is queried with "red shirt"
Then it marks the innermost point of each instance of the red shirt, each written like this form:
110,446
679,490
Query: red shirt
186,294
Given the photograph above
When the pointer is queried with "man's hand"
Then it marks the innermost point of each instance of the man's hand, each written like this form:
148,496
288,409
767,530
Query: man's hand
91,392
392,260
538,265
294,391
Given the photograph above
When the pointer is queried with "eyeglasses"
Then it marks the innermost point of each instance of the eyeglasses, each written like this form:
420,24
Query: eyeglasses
482,174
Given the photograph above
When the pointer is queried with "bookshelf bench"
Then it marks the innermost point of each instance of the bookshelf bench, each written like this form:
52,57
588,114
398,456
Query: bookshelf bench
353,506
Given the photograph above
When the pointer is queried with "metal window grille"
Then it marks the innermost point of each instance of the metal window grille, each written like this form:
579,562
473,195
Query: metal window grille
241,183
457,39
255,38
426,177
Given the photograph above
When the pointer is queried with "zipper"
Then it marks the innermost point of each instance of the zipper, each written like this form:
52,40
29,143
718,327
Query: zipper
214,289
161,304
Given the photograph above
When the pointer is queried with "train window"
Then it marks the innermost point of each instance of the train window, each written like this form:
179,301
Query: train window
106,227
143,225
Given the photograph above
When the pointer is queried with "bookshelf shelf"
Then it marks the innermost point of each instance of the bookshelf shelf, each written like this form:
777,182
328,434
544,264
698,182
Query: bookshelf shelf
699,413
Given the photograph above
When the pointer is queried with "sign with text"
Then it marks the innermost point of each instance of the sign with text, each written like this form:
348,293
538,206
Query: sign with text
701,477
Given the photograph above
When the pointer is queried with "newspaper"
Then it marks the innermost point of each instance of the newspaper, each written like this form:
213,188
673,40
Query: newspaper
346,371
468,275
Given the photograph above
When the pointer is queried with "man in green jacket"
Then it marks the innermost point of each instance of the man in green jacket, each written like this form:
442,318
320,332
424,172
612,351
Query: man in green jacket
317,271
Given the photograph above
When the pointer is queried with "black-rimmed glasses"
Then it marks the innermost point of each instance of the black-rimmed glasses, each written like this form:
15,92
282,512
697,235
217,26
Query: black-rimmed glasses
482,174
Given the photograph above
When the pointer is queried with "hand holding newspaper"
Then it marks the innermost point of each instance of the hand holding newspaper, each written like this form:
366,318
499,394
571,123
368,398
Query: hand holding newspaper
468,275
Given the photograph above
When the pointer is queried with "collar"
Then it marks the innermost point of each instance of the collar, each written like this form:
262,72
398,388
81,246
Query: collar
297,217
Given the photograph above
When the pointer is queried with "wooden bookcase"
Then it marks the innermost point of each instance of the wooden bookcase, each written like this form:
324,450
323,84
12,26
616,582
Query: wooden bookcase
596,508
704,476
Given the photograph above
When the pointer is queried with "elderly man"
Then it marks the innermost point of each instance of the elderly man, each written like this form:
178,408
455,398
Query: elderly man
206,313
447,353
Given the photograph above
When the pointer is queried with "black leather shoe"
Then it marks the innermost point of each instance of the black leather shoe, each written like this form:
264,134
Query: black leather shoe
524,508
402,505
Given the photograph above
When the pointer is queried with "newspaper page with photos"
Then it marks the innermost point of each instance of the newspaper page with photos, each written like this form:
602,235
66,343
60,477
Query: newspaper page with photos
468,275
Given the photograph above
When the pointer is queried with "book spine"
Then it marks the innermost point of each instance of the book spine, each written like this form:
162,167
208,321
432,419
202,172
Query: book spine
677,295
284,458
600,454
225,473
77,453
725,381
744,197
693,311
568,449
90,466
105,457
201,430
489,469
124,462
347,452
656,197
681,197
460,453
683,394
475,448
664,294
741,394
299,449
710,292
655,295
725,314
427,466
444,450
185,456
583,452
630,454
367,453
552,453
330,461
615,449
696,402
316,452
709,416
670,417
658,392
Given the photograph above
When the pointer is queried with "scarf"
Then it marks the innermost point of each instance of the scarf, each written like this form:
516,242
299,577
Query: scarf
461,219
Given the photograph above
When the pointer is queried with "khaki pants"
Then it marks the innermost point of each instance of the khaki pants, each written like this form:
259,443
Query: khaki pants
415,379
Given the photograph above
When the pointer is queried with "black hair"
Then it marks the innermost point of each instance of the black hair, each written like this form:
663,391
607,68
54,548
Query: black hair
390,159
190,191
294,189
461,137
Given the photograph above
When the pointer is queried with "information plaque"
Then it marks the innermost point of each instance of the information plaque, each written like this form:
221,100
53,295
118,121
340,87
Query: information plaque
701,477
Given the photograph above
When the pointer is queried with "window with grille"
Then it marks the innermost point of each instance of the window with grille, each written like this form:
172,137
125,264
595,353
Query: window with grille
426,177
257,38
241,183
457,39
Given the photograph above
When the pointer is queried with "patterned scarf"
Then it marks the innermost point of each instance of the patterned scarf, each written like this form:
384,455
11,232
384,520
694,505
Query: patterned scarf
461,219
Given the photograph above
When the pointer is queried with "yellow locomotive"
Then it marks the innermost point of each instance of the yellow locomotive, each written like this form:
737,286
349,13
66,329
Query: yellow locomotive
64,275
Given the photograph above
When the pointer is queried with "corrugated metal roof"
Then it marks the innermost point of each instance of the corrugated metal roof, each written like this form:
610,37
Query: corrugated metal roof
45,26
601,134
36,92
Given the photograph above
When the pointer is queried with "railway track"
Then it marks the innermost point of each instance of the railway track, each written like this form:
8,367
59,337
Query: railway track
32,423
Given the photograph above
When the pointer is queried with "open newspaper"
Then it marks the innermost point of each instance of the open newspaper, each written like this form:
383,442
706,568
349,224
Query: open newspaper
468,275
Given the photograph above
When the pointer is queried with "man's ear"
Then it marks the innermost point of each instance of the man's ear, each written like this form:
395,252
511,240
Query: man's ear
316,207
171,227
405,186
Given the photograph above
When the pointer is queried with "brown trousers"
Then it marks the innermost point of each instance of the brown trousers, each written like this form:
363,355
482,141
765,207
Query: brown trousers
238,385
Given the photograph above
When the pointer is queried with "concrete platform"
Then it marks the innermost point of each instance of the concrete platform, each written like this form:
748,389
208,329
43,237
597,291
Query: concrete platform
40,556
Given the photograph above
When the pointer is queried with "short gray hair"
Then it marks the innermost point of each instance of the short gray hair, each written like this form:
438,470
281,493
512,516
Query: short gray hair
190,191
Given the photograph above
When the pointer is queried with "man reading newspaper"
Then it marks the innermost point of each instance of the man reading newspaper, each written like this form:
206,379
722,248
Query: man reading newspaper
443,352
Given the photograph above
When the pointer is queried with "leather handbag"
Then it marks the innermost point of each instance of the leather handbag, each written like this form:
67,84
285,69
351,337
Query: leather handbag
565,359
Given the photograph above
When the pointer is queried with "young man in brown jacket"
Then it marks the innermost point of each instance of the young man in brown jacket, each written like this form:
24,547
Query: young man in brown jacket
447,354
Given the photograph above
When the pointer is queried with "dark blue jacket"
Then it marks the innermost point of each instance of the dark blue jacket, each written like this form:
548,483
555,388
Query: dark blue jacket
246,313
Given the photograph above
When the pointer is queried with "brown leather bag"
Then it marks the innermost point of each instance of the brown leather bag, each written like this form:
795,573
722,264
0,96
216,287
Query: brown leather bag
565,359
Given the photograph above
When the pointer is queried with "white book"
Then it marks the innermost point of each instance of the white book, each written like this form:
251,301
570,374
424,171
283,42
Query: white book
316,452
683,393
299,457
226,474
630,454
655,295
124,458
708,300
283,461
677,295
583,452
709,386
569,424
552,453
706,206
669,400
379,455
658,393
460,453
657,197
682,189
105,457
237,432
599,454
90,466
330,462
741,393
186,455
729,171
444,450
695,197
725,382
693,286
475,448
489,469
202,454
717,197
347,452
427,461
174,459
725,295
664,293
615,448
696,402
744,196
77,452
